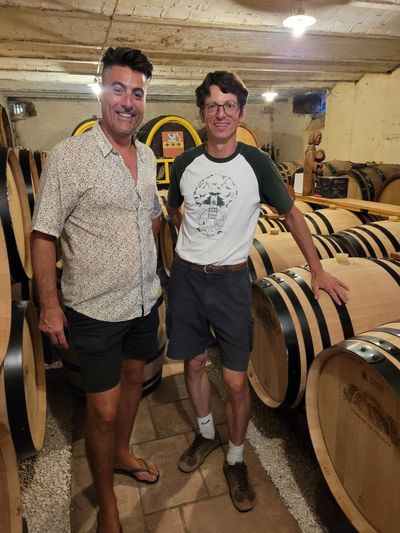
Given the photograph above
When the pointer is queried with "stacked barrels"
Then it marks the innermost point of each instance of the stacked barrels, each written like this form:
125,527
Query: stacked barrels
343,358
377,182
22,370
10,500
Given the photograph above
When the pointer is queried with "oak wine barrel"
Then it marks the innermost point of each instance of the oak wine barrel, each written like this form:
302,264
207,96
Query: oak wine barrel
330,220
291,327
6,133
353,413
167,136
30,173
15,215
288,169
304,206
246,135
10,497
25,382
5,297
368,181
378,239
84,126
273,253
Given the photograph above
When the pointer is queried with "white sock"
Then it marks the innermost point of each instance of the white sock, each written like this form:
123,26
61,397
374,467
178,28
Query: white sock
206,426
235,454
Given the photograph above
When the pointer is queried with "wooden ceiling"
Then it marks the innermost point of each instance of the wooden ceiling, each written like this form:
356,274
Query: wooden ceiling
53,48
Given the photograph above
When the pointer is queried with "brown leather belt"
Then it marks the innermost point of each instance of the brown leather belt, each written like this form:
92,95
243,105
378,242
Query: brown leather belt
211,269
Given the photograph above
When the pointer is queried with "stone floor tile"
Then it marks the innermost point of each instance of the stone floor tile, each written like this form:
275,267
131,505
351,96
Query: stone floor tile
172,388
168,521
179,417
80,475
143,429
129,504
216,515
83,497
174,487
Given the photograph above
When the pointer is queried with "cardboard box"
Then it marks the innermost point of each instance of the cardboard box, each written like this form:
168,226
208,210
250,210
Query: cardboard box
332,186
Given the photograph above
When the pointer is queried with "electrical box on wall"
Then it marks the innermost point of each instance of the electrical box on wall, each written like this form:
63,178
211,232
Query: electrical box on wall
21,109
309,104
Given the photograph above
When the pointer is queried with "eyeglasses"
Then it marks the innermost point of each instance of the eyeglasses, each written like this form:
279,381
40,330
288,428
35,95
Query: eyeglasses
230,108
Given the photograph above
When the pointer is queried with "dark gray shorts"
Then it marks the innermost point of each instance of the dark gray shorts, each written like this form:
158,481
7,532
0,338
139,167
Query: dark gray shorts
197,300
103,345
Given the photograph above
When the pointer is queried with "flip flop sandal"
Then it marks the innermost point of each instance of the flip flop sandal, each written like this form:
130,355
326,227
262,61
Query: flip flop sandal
132,473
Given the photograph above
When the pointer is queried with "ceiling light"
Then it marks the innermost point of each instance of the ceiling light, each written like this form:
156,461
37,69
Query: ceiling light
298,21
95,86
270,96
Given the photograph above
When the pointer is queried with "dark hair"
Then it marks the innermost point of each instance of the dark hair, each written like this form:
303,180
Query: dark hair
227,82
127,57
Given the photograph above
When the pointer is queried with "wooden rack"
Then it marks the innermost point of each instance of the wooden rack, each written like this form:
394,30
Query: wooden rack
353,204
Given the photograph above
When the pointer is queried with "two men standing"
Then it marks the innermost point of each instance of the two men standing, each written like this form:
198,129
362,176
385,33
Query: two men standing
98,194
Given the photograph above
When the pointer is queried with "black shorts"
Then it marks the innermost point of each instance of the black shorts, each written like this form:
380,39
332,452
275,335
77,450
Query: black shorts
197,300
103,345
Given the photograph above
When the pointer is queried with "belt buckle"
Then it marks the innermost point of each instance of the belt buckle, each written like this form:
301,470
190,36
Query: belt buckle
205,269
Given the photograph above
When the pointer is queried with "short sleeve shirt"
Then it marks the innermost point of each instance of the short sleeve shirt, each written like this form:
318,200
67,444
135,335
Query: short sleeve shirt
222,202
89,199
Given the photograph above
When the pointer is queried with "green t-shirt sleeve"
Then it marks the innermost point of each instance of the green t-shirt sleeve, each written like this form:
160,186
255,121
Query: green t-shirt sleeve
175,197
270,184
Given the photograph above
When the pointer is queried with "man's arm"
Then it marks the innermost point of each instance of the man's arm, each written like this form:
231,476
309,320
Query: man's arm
176,215
52,319
320,279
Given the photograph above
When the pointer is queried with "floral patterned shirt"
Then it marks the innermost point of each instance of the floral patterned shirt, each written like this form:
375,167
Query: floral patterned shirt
89,199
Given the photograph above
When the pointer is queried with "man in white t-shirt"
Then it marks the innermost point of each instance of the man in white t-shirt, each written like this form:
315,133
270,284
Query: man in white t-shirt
222,184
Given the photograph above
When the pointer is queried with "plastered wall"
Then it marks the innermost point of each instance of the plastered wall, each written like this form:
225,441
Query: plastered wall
363,120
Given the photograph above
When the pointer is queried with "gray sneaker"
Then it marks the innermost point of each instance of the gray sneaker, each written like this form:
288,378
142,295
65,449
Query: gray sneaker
242,493
197,452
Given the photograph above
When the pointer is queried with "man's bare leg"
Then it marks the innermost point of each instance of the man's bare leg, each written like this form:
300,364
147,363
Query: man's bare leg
131,393
237,405
102,410
197,384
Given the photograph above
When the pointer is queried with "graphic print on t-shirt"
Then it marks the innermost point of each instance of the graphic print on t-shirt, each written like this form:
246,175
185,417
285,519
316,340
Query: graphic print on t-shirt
213,194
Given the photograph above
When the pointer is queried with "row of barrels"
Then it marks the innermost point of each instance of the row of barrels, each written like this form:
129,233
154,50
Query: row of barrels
342,360
378,182
345,359
22,393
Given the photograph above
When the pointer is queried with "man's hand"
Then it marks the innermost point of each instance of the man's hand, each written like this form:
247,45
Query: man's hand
330,284
52,322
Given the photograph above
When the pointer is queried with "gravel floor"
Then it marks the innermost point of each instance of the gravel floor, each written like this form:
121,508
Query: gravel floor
279,439
46,479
